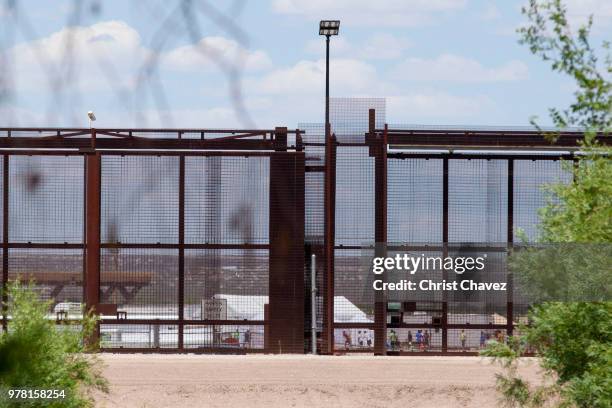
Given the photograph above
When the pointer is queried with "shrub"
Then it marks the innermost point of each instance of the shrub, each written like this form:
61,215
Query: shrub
37,353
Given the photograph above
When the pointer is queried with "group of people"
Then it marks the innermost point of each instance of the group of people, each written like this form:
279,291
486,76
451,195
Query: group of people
364,339
485,337
234,338
421,341
498,336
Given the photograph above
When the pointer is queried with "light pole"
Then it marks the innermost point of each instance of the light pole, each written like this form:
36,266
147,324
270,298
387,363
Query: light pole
328,28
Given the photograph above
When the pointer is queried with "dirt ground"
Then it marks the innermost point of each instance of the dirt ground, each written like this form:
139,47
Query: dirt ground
300,381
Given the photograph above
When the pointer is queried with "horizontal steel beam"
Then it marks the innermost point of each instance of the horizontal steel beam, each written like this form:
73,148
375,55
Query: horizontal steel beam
174,322
61,130
478,156
185,350
422,326
499,139
118,245
133,143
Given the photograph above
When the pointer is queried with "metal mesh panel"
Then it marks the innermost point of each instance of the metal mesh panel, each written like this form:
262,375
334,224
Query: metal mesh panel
354,196
349,117
355,213
140,199
474,306
414,201
314,207
57,274
46,199
530,180
478,200
354,227
226,200
143,283
353,296
231,283
138,336
314,143
241,337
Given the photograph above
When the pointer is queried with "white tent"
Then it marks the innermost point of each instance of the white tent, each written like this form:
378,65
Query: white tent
248,307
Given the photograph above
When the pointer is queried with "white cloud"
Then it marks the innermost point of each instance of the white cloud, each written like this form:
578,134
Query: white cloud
45,62
308,77
377,46
85,44
199,56
114,46
423,106
449,67
368,12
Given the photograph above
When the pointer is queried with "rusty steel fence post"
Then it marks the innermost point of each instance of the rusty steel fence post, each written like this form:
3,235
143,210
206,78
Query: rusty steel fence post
181,254
329,241
445,194
285,317
93,164
510,238
5,238
380,227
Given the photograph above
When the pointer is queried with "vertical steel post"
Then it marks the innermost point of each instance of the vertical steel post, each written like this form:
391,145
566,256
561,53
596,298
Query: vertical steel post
181,254
380,228
329,242
5,237
212,232
510,238
444,252
93,206
286,254
313,303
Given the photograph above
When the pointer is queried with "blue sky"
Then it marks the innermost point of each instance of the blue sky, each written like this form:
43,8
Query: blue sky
438,62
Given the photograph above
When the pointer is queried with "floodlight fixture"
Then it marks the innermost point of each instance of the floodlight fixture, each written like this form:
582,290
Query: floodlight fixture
92,117
329,27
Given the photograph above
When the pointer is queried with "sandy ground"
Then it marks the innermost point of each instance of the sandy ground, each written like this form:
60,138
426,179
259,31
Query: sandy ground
300,381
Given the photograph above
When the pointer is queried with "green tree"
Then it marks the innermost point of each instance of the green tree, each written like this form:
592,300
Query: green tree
36,353
572,339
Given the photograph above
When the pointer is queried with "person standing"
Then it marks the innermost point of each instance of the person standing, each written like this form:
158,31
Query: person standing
419,339
483,339
393,339
347,339
247,338
462,338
